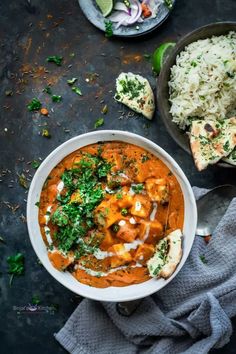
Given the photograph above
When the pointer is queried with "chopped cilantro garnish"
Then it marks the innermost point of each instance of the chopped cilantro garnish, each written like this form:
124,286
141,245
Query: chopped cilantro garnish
131,88
115,227
34,105
108,29
137,188
37,204
56,98
145,158
55,59
99,122
124,211
119,196
75,219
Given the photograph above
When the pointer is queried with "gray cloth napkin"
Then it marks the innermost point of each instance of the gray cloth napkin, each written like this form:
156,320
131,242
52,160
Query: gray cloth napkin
190,315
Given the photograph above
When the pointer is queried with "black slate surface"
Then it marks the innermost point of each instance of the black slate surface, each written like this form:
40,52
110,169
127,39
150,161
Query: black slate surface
29,32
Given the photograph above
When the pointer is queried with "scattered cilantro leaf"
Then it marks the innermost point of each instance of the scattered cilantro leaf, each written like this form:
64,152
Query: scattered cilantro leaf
35,164
37,204
35,300
55,59
169,4
72,81
34,105
56,98
203,259
15,265
77,90
108,29
99,122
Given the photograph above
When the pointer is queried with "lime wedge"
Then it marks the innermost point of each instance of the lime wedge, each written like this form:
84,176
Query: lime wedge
160,55
105,6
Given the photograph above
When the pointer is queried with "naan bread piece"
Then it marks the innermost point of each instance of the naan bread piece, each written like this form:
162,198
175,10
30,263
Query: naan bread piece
135,92
211,140
231,158
167,256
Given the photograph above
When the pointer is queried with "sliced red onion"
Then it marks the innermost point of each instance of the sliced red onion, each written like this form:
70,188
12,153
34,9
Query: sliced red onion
123,18
120,6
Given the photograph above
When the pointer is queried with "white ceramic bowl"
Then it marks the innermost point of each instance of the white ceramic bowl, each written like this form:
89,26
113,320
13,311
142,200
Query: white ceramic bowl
116,294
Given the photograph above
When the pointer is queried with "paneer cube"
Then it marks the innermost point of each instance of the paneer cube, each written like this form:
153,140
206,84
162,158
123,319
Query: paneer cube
127,232
126,201
158,190
59,261
151,231
144,252
107,213
108,239
121,256
141,206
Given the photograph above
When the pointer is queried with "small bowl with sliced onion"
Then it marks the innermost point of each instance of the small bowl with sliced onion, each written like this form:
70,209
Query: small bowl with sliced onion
111,216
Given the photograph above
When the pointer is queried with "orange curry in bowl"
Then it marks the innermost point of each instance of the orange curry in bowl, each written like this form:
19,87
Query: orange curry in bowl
104,208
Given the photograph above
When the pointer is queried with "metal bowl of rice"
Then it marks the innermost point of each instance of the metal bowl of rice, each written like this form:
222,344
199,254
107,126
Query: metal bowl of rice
176,107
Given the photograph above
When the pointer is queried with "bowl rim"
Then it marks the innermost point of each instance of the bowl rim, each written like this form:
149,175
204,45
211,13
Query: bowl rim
165,73
113,294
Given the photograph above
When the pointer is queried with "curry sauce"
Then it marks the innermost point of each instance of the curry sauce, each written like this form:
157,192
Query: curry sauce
104,208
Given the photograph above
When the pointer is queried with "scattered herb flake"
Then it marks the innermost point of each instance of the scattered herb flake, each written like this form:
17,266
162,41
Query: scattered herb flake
145,158
77,90
203,259
47,90
119,196
9,93
23,181
169,4
72,81
137,188
37,204
104,109
56,98
35,300
99,122
108,29
34,105
55,59
46,134
35,164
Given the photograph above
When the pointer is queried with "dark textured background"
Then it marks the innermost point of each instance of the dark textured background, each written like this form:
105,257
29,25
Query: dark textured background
29,32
